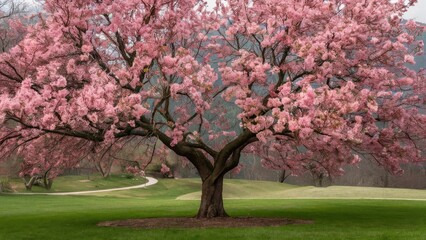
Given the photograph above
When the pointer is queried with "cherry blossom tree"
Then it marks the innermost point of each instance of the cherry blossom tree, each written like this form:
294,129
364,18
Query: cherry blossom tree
303,84
43,162
12,29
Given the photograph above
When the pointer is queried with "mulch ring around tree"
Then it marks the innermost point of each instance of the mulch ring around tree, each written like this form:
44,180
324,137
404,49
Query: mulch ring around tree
229,222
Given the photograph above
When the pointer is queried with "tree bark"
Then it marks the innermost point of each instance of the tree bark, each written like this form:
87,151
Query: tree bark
283,176
211,199
29,184
48,183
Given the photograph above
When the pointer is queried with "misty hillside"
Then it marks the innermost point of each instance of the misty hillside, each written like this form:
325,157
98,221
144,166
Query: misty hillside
421,60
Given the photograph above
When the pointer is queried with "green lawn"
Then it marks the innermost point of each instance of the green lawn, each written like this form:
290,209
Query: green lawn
75,217
82,183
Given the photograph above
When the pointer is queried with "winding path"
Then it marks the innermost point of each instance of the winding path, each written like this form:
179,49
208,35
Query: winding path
151,181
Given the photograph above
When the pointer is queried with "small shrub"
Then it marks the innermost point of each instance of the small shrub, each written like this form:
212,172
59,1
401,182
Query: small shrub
5,185
129,176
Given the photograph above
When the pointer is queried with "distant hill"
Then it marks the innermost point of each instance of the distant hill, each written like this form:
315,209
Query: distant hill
421,60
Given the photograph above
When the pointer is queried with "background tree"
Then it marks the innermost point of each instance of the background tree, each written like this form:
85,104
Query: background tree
322,82
43,162
11,28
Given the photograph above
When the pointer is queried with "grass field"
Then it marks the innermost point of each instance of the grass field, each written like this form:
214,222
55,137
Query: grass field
75,217
82,183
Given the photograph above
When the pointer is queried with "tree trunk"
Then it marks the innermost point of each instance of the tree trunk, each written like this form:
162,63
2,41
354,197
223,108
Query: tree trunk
29,184
283,176
48,183
211,199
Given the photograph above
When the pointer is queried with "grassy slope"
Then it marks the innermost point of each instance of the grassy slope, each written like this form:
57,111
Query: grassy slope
75,217
241,189
82,183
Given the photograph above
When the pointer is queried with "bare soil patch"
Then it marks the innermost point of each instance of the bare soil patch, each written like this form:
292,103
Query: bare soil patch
228,222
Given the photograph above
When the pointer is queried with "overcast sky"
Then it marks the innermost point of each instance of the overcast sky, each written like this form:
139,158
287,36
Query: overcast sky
418,12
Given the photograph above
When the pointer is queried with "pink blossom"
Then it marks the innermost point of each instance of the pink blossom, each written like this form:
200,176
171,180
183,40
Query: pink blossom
409,59
86,48
71,67
138,111
169,61
164,169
